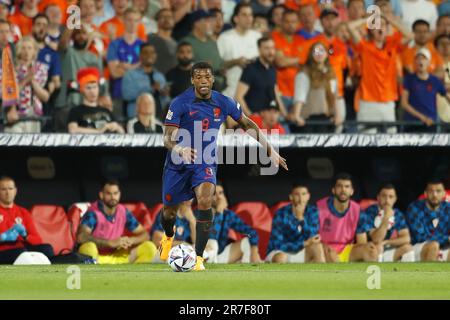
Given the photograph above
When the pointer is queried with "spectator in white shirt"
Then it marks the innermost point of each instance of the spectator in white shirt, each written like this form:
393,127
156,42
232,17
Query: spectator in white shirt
238,46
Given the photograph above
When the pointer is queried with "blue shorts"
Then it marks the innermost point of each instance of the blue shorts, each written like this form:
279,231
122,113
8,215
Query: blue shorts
179,184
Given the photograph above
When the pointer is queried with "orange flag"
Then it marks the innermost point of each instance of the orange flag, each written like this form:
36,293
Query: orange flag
10,88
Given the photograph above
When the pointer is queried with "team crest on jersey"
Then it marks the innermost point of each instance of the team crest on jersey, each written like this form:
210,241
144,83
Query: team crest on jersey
18,220
217,114
391,222
180,230
209,172
435,222
379,219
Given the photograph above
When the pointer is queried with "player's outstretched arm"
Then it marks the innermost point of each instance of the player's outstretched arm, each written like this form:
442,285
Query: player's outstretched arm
171,143
402,239
256,134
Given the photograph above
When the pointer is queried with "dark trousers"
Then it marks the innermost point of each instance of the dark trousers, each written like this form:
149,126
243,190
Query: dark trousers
309,128
420,129
9,256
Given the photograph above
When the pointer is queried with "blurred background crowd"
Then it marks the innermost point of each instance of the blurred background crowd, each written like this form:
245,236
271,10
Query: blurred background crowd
295,66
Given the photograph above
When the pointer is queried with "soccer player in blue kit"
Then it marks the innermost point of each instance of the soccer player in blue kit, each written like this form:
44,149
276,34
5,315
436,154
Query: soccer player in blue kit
192,122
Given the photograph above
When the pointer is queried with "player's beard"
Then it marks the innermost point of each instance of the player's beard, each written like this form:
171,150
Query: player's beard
111,204
39,38
269,59
184,62
8,201
80,45
433,204
342,198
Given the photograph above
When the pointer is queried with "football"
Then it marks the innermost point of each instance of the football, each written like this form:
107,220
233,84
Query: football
182,258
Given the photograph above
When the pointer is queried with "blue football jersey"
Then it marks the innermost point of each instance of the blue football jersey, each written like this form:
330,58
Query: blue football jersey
199,121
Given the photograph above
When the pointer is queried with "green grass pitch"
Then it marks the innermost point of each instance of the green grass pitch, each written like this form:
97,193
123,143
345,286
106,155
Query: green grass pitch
264,281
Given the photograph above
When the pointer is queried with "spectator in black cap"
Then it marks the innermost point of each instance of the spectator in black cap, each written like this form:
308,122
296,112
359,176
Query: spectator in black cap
328,11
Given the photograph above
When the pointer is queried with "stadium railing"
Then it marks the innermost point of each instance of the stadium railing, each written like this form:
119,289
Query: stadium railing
350,126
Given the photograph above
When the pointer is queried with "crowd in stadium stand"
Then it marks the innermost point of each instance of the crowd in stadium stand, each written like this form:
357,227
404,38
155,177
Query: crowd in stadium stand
296,66
334,229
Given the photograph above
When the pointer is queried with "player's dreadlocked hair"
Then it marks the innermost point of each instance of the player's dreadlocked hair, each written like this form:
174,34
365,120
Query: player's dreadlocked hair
201,65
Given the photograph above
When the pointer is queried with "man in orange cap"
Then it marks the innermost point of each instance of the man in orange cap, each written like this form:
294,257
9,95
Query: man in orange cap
89,117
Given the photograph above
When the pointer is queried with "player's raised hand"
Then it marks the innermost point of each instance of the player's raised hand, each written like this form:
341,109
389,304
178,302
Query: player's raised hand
278,160
125,243
188,154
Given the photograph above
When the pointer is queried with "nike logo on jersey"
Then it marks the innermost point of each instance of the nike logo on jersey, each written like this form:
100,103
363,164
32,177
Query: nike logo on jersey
192,113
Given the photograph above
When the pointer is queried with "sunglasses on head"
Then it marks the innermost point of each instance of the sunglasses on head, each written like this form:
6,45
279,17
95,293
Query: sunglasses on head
319,51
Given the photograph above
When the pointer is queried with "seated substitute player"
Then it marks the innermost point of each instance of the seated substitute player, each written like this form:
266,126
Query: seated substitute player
295,231
219,249
429,224
184,224
17,231
102,228
193,121
388,228
341,222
